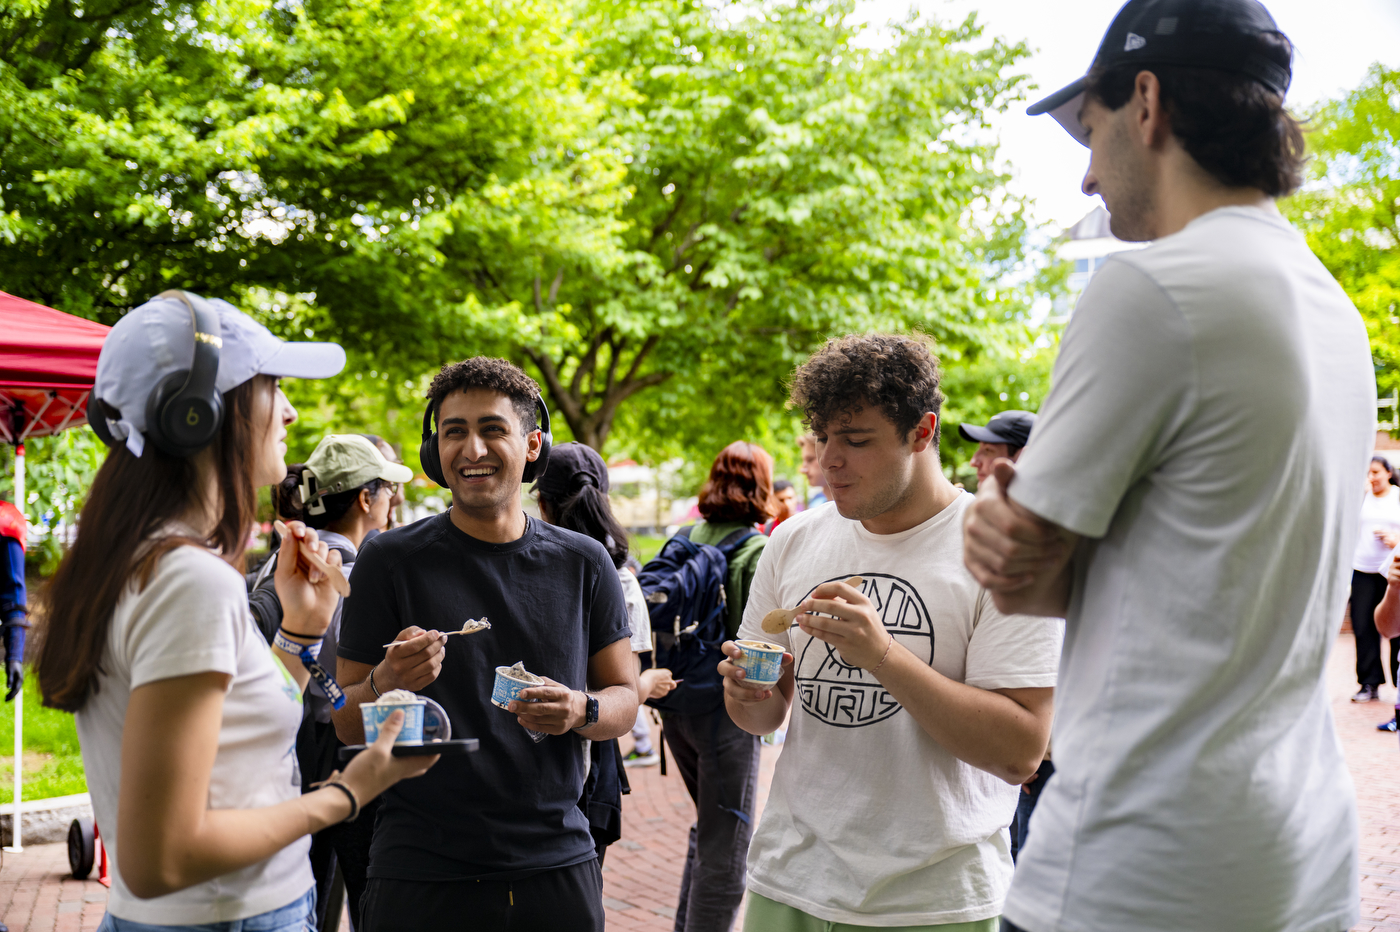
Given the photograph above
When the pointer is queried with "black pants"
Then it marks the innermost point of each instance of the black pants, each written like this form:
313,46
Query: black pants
569,899
1367,590
1027,796
719,763
345,844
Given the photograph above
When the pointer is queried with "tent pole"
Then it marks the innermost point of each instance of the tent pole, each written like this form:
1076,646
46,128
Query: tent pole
16,840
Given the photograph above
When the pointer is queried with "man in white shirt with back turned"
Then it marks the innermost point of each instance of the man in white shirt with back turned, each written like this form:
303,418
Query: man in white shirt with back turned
1189,499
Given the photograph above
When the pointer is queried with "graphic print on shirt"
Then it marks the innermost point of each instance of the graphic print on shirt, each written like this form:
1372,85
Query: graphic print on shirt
839,694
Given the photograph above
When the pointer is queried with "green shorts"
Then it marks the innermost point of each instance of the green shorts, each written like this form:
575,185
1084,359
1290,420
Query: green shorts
765,915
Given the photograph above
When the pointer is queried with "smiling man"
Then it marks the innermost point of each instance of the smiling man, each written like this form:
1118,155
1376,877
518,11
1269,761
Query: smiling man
496,840
1191,499
919,706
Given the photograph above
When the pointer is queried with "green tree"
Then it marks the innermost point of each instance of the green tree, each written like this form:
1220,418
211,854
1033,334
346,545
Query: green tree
1350,207
783,184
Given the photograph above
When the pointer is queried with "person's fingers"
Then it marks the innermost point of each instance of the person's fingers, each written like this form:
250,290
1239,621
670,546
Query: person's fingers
731,649
846,611
1003,471
553,692
839,588
389,730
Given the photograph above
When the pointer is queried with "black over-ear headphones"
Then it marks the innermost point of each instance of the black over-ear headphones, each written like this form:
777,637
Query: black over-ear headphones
432,464
185,409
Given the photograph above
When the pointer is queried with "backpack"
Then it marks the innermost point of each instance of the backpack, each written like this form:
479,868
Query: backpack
684,589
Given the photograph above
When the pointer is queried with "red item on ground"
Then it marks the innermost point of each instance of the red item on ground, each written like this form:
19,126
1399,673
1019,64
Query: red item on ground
48,361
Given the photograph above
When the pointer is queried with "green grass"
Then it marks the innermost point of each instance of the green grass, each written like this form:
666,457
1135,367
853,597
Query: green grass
53,736
646,546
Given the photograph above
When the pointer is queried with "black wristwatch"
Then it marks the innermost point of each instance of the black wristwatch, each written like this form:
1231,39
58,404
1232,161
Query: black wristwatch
590,711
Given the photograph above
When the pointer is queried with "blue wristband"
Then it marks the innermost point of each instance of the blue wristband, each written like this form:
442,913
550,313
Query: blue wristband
318,673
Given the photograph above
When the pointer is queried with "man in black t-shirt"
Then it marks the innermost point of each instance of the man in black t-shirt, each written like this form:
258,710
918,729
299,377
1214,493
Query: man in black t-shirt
492,840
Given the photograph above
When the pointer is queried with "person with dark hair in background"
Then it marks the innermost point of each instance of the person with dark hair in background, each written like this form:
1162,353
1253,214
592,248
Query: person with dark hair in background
1003,437
573,494
1190,499
916,706
343,491
1379,534
784,505
185,716
718,760
14,609
496,840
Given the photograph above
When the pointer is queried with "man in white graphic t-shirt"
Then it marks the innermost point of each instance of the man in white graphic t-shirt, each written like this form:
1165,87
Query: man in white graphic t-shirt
917,707
1190,498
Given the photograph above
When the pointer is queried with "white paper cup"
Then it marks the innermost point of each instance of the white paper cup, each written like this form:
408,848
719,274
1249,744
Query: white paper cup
761,662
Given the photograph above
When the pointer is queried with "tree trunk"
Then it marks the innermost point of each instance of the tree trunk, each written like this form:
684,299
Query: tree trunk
588,402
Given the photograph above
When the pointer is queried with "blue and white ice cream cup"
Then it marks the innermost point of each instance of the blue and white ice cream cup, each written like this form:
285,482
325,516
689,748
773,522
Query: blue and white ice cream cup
761,662
373,714
509,683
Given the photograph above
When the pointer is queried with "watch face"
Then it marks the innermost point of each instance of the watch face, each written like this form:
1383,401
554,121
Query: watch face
592,711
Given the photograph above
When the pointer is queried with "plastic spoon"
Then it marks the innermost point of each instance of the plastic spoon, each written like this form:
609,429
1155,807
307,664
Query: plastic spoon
333,574
781,619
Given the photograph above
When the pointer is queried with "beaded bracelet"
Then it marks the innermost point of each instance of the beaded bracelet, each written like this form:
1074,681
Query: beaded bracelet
377,693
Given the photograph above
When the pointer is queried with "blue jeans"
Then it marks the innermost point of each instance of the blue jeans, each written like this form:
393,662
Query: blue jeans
294,917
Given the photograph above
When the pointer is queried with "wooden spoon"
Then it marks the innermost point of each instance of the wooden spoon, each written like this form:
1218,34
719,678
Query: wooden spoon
781,619
308,556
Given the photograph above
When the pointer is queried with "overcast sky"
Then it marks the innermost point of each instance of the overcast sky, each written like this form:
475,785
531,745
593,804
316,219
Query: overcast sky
1336,41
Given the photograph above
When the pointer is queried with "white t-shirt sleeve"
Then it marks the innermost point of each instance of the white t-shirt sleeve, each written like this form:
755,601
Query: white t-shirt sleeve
191,618
763,596
1121,389
1012,651
638,618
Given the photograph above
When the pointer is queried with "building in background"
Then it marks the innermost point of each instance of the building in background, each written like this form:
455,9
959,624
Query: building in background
1089,245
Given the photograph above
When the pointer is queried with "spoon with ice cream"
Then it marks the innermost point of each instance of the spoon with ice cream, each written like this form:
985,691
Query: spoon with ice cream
781,619
470,626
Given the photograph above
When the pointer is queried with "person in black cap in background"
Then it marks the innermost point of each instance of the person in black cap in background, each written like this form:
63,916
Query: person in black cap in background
1003,438
1190,502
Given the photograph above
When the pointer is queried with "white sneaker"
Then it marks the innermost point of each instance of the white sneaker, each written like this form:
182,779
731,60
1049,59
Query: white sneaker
633,759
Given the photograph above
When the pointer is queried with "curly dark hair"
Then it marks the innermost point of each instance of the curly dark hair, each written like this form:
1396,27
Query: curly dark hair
488,372
1232,125
897,374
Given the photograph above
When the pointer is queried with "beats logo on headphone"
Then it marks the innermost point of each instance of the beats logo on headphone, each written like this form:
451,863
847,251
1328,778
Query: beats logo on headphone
432,464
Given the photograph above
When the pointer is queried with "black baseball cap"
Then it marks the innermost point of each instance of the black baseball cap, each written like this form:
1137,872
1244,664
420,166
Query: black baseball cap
1012,428
1218,34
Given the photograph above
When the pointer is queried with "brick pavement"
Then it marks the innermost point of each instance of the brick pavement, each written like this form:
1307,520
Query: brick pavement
641,879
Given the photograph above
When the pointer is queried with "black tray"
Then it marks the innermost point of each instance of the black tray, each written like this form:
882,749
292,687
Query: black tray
453,748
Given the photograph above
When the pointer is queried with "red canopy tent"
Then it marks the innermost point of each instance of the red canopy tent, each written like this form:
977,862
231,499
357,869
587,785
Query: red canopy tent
48,362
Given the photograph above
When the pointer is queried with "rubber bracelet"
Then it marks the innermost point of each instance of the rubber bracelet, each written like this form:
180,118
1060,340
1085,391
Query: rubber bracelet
318,673
297,634
377,693
349,794
888,645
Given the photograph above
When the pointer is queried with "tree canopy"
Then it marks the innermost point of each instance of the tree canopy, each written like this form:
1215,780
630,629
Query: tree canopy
1350,208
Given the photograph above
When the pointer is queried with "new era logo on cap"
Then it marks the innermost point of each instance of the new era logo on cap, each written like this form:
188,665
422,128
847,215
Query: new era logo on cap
1134,42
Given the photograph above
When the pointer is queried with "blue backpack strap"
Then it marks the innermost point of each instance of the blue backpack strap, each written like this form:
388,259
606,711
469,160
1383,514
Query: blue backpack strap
735,540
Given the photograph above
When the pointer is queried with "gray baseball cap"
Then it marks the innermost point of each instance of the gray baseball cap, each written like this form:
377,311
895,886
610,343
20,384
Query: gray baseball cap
156,339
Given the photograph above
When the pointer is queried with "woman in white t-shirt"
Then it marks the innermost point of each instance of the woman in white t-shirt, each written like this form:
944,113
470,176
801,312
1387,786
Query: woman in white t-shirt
186,718
1380,532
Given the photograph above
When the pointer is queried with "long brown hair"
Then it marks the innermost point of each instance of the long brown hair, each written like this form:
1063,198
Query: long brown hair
132,500
740,486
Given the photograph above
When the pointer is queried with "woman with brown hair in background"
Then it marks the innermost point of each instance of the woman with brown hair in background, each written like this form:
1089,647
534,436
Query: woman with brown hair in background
717,759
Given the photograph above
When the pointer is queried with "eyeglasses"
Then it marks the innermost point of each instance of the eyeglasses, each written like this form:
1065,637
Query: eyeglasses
393,487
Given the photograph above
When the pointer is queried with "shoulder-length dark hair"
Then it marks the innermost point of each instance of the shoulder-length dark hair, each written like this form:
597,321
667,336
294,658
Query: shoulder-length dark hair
131,501
740,487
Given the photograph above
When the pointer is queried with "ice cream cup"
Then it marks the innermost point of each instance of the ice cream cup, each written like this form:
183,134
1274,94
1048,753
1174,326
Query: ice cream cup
373,715
761,662
508,687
